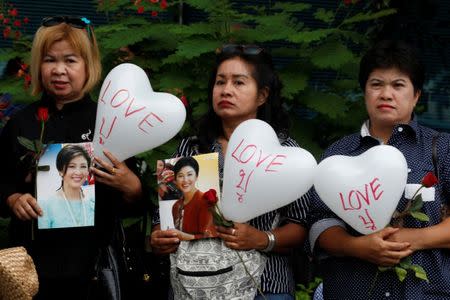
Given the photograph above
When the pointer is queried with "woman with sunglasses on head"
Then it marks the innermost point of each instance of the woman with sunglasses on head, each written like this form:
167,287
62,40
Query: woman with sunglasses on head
244,86
65,66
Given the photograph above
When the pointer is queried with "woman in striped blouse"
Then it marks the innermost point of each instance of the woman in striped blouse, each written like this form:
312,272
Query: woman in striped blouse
245,86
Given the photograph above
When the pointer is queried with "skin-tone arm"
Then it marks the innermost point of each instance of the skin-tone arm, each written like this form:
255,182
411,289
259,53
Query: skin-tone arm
24,206
246,237
122,179
375,247
432,237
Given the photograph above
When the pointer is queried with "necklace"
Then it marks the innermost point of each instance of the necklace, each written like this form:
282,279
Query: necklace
72,215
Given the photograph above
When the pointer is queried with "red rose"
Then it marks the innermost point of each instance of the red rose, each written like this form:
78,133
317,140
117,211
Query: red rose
429,180
17,23
154,13
13,12
163,4
140,10
184,100
211,196
6,32
42,114
26,20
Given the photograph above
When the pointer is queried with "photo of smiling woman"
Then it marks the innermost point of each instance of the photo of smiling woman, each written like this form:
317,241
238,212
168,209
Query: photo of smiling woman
191,212
72,205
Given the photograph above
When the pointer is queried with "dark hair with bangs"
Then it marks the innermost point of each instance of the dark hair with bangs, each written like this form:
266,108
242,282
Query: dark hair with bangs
388,54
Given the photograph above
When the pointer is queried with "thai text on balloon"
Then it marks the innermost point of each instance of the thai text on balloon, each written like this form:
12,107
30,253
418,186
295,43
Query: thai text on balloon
356,200
123,97
244,154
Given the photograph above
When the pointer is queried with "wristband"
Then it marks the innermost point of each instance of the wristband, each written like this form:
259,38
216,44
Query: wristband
271,243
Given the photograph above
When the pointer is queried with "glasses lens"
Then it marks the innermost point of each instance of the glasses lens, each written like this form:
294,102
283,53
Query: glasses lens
230,48
76,22
72,21
245,49
52,21
252,50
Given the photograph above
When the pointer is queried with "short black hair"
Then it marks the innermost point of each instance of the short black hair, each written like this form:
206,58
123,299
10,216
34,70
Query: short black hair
393,54
67,153
186,161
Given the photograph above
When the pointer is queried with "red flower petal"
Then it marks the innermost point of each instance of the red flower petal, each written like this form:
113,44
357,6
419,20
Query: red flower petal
184,100
6,32
17,23
140,10
154,13
13,12
6,21
429,180
42,114
163,4
211,196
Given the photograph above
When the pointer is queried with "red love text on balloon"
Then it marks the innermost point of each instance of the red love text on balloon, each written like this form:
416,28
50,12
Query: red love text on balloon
355,200
124,107
251,157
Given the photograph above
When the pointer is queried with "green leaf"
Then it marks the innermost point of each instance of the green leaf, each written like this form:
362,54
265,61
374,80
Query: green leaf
310,36
401,273
419,272
332,55
326,16
29,144
384,269
291,7
362,17
331,105
406,262
191,48
420,216
293,83
417,203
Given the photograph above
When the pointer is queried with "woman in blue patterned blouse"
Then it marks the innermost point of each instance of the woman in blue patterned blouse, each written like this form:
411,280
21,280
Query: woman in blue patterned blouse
391,77
245,86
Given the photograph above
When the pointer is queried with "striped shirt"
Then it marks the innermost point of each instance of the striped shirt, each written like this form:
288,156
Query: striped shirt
278,276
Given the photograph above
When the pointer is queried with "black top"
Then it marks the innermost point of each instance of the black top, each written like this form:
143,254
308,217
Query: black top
68,252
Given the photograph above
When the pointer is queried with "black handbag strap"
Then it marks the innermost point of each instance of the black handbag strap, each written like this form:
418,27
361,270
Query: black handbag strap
434,155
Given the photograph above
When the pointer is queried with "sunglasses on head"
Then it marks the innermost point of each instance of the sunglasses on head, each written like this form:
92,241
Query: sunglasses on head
245,49
76,22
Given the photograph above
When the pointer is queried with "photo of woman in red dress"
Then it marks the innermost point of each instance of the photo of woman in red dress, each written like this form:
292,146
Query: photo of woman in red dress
191,212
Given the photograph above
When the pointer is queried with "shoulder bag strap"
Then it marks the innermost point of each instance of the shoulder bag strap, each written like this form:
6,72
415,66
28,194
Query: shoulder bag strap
434,154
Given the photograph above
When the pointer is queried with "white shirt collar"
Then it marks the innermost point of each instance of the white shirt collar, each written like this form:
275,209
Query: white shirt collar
366,132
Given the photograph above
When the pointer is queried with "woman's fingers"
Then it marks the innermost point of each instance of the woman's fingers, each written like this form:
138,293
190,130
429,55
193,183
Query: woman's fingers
112,158
164,241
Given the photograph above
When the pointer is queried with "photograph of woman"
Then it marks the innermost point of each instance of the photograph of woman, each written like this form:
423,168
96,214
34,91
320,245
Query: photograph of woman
191,212
71,205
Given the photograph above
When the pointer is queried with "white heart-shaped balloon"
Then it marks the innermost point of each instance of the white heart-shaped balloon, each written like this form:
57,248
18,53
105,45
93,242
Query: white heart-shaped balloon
363,190
131,117
260,175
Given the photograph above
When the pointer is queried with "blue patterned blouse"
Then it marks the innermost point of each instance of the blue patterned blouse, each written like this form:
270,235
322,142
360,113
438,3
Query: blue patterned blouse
351,278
